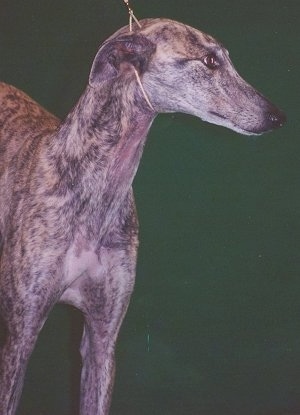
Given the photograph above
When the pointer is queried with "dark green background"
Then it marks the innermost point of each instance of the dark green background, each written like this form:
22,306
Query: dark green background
214,325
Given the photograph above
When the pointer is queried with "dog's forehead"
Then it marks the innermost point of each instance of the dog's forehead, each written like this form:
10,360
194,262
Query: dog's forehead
171,36
182,39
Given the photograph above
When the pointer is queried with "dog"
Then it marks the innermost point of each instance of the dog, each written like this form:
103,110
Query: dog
68,223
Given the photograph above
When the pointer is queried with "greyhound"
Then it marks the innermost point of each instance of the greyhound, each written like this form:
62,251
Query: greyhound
68,223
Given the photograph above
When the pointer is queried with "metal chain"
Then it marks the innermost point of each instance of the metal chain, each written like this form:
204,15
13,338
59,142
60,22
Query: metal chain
131,16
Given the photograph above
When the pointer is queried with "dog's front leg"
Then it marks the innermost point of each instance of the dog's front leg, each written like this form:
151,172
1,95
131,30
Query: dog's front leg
24,315
14,356
105,301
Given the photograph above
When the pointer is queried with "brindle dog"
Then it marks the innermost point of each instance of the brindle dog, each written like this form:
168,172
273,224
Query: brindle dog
68,225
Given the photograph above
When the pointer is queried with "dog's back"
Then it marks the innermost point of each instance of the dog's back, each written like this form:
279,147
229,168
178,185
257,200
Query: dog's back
22,120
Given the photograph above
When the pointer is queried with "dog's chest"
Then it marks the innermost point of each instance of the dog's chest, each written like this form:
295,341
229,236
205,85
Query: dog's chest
84,258
81,258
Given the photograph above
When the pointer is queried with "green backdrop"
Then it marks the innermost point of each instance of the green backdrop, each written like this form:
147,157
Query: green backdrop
214,324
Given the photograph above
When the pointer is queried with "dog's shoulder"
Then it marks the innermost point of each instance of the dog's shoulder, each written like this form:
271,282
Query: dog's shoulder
21,118
16,105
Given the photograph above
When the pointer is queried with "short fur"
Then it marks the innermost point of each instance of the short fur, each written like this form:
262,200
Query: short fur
68,225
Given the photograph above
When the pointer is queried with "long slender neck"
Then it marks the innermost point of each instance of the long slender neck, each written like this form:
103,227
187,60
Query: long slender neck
98,149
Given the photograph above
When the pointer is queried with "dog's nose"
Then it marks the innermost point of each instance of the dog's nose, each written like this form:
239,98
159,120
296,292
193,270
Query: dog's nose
277,118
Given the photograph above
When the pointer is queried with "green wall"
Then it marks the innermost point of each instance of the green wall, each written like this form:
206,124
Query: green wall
214,324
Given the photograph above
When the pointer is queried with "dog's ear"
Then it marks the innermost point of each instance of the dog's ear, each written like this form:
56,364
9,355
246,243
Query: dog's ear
134,50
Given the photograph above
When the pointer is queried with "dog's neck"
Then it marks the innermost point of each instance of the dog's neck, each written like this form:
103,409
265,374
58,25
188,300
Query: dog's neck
98,149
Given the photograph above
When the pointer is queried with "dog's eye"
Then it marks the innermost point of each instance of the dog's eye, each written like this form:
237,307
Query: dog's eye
211,61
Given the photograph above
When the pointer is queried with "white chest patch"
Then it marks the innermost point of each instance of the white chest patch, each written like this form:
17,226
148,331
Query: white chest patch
81,260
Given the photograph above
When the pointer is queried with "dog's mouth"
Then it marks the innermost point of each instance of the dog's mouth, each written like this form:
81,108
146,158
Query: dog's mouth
216,114
231,124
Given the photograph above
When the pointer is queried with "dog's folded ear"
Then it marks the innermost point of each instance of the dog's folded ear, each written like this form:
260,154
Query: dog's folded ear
119,55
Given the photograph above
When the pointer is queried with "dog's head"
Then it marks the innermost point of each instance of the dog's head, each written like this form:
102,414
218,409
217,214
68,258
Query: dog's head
185,70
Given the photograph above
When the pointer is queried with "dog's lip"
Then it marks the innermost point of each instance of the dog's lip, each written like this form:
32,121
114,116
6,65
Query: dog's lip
237,127
216,114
